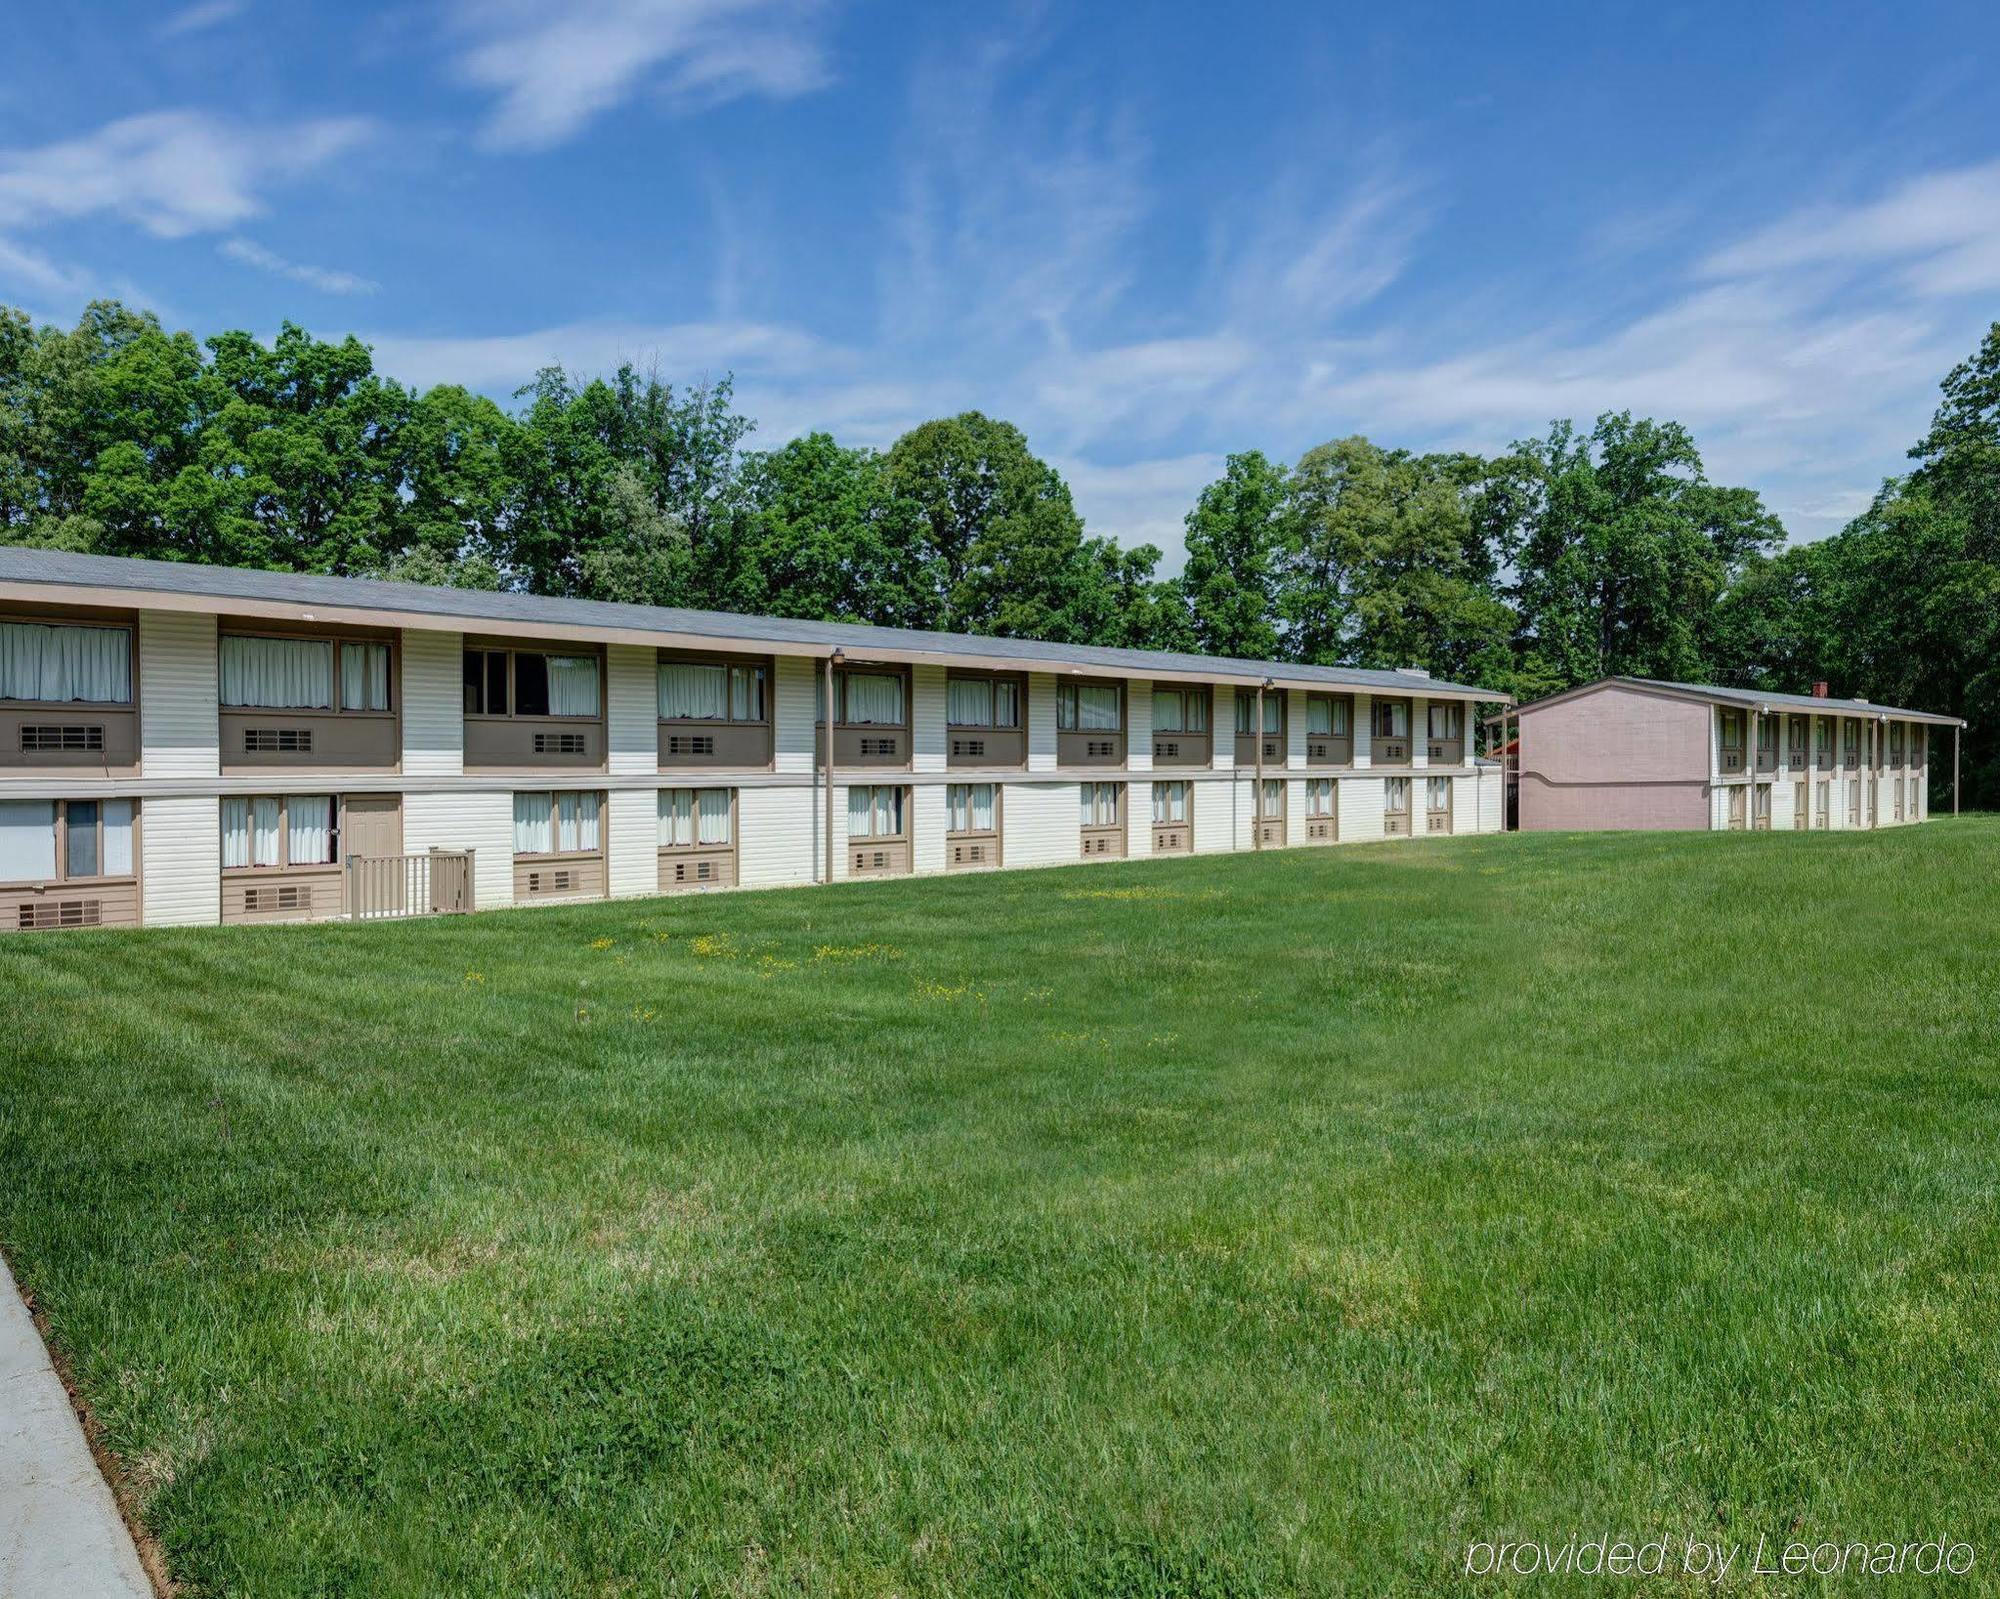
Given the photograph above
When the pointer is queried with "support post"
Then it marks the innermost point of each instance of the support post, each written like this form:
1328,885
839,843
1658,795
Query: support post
1257,793
828,769
1954,771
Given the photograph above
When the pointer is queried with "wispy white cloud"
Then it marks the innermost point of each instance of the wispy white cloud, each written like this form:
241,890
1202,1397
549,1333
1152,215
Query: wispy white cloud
31,271
555,68
172,173
685,351
198,18
327,280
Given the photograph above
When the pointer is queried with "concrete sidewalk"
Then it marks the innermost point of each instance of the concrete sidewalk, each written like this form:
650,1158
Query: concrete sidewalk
61,1536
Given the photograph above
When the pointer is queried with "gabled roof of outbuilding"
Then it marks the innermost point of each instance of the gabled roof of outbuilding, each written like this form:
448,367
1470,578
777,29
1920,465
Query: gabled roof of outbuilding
1749,698
418,605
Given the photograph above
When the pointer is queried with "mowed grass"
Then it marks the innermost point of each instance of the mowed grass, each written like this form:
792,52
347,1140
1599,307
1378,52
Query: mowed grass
1263,1224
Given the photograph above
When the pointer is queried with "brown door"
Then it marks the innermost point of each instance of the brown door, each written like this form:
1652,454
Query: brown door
374,825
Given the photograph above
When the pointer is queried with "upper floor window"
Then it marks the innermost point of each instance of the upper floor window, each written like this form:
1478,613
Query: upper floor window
1392,719
1327,717
1246,711
501,682
1446,719
280,830
1089,707
52,841
982,702
297,674
1731,723
557,824
56,663
711,691
1850,743
1767,736
869,699
1823,735
1180,710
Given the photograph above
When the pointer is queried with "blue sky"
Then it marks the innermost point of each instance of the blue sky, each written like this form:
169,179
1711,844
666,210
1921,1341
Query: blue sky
1149,235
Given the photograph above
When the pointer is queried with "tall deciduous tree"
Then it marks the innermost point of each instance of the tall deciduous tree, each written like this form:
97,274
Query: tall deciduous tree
1236,537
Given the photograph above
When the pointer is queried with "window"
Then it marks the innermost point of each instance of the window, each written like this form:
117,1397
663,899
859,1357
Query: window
1732,730
969,808
1396,796
48,841
364,677
58,664
1274,799
982,702
556,824
1392,719
1327,717
875,810
1850,743
1180,710
1319,796
1246,711
541,684
1170,802
267,830
1913,798
1100,804
693,818
1437,794
1089,707
280,674
1854,802
1446,720
1767,739
1823,737
1797,742
1895,743
869,699
712,691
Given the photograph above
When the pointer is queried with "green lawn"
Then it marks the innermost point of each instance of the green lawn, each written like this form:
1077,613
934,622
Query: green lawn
1242,1225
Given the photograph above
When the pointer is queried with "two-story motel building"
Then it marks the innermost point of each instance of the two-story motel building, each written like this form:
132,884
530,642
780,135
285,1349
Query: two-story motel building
1628,752
192,744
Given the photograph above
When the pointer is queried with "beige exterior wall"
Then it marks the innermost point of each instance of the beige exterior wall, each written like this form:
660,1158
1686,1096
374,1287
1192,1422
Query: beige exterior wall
1360,808
632,841
632,710
1041,722
778,835
928,811
482,821
928,739
795,703
1364,734
1139,724
180,860
1617,758
179,719
433,704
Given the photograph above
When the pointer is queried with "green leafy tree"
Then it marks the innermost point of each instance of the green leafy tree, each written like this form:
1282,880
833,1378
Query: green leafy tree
1237,536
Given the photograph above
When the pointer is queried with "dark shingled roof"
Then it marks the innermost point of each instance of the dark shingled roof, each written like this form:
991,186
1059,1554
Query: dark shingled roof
57,568
1757,699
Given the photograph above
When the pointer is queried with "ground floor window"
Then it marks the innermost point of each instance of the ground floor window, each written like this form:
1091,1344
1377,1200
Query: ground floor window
1319,796
1913,799
1100,804
1396,796
969,808
59,841
695,817
559,823
1274,799
1823,805
1854,802
874,810
1437,793
280,830
1170,802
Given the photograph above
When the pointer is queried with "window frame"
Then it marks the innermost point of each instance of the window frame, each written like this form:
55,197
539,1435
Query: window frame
1246,711
1334,703
695,791
903,808
513,713
1018,681
764,664
968,831
336,828
1160,788
108,622
336,639
840,675
1068,694
1389,702
1316,789
1202,694
1456,711
555,825
1120,815
59,827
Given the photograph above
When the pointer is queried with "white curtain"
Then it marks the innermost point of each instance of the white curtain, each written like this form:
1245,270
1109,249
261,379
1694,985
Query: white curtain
1398,800
1006,704
1319,717
118,838
60,664
1440,793
676,817
27,840
572,685
1170,802
532,815
969,702
746,693
364,677
1319,796
714,808
1274,798
971,806
888,812
1100,804
1167,711
235,832
309,829
875,699
693,693
1097,708
576,822
264,831
860,812
277,673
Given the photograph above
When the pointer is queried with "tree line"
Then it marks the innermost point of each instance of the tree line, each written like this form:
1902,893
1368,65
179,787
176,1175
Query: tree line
1571,555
